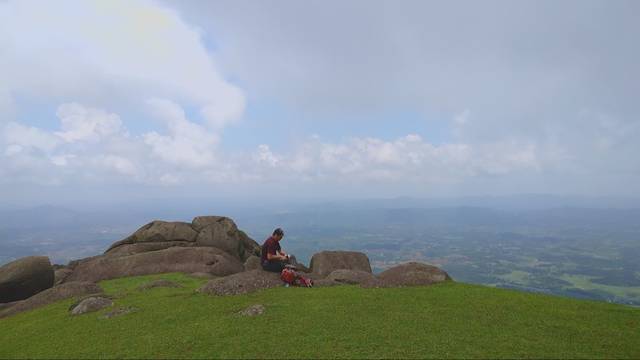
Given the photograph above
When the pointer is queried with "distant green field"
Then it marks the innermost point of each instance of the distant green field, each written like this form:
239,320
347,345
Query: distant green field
449,320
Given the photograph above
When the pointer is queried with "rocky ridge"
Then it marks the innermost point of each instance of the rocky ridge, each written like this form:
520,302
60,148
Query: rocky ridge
209,246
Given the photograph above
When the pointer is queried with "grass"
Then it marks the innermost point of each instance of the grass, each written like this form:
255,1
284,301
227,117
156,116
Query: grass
449,320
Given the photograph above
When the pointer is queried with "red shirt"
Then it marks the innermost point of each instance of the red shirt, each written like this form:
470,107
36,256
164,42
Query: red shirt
270,246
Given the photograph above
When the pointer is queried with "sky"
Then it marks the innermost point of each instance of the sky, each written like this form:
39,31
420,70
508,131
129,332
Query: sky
134,99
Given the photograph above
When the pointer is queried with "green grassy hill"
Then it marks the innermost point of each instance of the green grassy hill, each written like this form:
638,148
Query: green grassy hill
446,320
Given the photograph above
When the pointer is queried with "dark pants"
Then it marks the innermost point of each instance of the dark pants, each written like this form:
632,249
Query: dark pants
278,265
273,266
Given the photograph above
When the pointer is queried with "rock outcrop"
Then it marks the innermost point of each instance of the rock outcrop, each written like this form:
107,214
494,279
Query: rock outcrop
409,274
204,231
25,277
325,262
209,247
242,283
163,233
252,263
60,275
174,259
222,233
51,295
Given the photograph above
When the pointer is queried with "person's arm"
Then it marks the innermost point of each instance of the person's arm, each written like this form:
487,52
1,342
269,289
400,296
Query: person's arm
275,257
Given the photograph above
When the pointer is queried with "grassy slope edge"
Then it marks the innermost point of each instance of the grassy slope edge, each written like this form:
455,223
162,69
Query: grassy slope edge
453,320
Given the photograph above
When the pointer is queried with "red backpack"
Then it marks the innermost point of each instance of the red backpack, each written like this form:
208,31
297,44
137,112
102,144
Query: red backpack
290,277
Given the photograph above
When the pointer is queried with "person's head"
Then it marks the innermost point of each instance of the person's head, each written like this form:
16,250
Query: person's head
278,234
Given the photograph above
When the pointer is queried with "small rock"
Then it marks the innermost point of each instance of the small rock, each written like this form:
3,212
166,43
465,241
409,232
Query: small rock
253,310
159,283
119,311
91,304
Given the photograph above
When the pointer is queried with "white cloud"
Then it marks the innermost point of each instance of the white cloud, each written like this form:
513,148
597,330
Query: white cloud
27,138
187,144
120,164
80,123
109,52
408,159
265,156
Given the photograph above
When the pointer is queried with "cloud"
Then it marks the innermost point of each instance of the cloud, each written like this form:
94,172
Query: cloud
531,95
407,159
27,138
86,124
188,144
107,52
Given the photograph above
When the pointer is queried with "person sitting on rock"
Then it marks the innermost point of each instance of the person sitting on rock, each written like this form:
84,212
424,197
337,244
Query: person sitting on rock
273,258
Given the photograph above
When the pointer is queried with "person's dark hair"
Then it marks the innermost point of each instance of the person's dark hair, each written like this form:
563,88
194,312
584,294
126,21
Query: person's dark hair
278,232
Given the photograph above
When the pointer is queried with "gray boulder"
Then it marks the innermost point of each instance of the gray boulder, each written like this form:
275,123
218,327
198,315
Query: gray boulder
242,283
130,249
51,295
252,263
159,232
409,274
210,231
343,276
222,233
174,259
325,262
7,305
90,304
25,277
61,274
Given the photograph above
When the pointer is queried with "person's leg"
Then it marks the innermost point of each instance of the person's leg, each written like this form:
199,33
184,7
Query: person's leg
273,266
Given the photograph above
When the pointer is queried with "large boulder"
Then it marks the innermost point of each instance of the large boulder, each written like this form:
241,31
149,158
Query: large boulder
174,259
130,249
242,283
61,274
252,263
211,231
158,232
25,277
51,295
222,233
251,247
7,305
343,276
409,274
323,263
